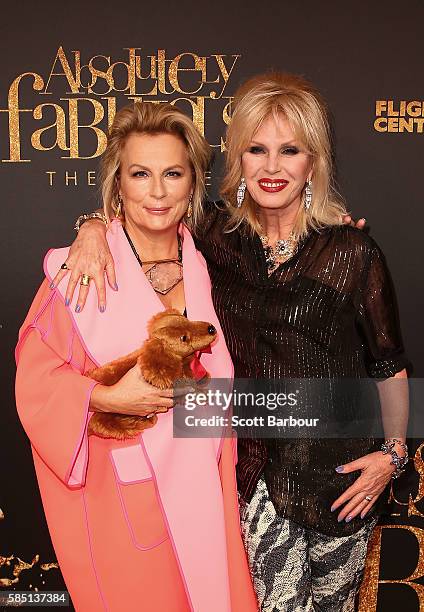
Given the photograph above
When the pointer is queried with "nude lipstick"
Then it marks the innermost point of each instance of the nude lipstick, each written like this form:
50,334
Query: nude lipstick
157,211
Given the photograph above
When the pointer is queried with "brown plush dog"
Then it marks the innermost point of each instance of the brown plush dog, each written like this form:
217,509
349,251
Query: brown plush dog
166,357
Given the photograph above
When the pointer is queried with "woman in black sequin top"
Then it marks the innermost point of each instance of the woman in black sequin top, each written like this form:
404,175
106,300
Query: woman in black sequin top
299,295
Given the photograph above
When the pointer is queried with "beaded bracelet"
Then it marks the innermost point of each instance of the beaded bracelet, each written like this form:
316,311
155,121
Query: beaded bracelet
398,462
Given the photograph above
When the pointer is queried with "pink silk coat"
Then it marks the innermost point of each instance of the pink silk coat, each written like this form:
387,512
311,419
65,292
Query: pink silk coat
147,524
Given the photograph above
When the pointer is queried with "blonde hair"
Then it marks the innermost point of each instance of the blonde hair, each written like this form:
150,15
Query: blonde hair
149,118
271,94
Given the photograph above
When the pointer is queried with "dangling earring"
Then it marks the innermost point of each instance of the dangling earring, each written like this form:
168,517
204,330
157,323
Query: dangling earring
308,194
190,207
120,205
240,192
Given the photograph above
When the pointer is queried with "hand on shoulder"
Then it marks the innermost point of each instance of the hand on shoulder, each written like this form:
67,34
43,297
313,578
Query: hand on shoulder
359,224
89,255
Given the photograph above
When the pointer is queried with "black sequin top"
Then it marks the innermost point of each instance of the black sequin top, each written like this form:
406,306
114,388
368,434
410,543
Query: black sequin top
329,311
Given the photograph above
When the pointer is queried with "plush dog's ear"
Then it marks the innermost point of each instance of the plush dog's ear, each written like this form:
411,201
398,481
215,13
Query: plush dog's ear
162,319
158,366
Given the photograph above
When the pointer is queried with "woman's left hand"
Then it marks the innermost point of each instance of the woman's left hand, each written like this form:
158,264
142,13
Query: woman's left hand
359,224
376,471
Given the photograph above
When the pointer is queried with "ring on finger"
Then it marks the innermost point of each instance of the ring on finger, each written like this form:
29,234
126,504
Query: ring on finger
368,497
64,266
85,280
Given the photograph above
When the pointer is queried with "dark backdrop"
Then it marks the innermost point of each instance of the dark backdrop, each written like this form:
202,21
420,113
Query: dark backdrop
356,53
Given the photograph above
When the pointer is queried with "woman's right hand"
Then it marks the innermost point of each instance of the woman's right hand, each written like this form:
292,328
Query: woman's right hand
134,396
89,254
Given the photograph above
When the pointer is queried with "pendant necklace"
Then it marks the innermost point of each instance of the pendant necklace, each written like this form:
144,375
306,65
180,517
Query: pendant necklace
280,252
164,274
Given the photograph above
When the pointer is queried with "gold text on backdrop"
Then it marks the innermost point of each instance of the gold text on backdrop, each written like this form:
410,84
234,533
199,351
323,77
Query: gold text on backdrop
403,116
82,97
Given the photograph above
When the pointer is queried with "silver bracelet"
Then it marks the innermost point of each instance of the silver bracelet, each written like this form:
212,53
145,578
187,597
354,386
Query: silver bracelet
83,218
398,462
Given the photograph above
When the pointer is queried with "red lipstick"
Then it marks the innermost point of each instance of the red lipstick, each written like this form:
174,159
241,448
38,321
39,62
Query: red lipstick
272,185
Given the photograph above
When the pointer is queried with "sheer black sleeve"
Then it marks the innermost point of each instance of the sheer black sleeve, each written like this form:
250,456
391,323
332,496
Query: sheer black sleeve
378,320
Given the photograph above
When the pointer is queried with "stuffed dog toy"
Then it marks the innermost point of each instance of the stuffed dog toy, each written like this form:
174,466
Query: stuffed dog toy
168,355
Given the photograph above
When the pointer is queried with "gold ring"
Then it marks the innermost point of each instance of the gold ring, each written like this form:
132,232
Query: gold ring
64,266
85,280
368,497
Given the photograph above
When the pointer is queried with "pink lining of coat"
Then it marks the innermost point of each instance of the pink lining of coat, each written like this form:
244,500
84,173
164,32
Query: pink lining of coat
185,471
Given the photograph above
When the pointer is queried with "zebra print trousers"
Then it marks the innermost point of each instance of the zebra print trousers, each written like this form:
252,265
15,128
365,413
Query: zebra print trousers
295,569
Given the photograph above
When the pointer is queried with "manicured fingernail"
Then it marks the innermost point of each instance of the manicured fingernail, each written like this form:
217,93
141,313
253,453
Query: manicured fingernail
348,518
339,468
333,508
362,515
339,520
115,286
67,302
51,285
364,219
77,308
102,307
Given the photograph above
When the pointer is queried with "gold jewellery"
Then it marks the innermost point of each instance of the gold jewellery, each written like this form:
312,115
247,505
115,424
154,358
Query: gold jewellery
94,215
85,280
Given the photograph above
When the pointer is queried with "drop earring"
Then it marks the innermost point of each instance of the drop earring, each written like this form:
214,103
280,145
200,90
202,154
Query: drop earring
308,194
241,192
118,209
190,207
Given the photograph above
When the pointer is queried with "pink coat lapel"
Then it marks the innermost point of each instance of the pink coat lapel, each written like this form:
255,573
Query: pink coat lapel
185,470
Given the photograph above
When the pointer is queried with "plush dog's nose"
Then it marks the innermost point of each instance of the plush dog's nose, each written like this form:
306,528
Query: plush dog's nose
211,330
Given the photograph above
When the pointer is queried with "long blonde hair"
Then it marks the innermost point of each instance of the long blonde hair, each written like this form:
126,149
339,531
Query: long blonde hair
275,93
149,118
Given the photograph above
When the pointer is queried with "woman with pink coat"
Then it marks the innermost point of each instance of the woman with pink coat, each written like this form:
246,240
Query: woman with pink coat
149,523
